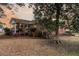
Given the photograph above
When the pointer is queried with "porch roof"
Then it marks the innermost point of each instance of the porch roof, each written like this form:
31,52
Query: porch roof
22,21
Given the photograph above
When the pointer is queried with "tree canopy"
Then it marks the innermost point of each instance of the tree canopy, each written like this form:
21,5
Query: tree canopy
46,12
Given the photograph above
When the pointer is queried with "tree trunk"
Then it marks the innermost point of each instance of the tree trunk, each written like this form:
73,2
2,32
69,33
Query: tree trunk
57,19
68,24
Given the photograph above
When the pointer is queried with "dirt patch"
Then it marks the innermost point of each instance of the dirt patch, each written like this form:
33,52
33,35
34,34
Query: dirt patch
26,46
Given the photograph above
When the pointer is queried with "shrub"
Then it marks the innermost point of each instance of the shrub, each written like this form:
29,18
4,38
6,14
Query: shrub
7,31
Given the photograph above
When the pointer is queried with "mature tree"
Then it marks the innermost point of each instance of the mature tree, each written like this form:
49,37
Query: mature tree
58,9
46,12
71,14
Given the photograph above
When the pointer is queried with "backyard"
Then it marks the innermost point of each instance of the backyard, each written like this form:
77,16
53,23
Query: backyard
38,47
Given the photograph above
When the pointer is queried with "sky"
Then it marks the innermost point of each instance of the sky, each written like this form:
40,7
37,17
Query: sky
23,12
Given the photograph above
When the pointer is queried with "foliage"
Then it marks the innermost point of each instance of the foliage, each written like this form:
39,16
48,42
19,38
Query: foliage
75,25
62,24
48,24
7,31
45,12
1,25
20,4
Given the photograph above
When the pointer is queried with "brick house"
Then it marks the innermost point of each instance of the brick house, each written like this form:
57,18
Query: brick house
10,18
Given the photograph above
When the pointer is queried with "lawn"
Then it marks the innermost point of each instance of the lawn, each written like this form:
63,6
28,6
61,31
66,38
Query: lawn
27,46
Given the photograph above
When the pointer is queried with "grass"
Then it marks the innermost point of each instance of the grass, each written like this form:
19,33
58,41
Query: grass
27,46
71,45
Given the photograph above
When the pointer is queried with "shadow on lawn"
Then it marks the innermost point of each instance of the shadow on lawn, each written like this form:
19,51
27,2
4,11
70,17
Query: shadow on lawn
66,47
18,37
12,37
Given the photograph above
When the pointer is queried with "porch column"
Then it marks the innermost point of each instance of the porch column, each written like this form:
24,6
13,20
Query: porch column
15,28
